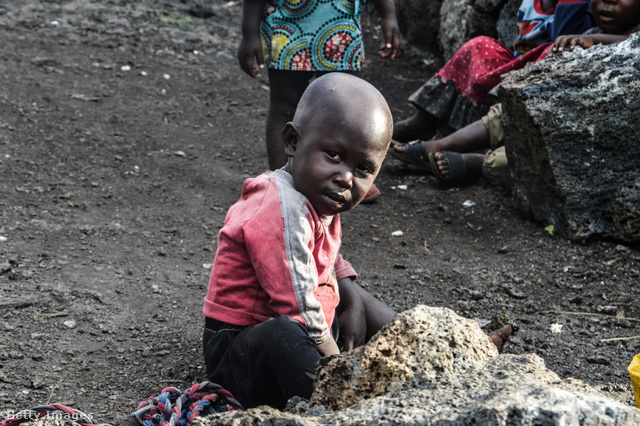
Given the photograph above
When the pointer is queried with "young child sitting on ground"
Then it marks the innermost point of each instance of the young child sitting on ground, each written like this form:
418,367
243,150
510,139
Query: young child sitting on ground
278,280
457,157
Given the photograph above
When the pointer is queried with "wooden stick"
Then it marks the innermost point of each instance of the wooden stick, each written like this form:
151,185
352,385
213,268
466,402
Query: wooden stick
591,314
615,339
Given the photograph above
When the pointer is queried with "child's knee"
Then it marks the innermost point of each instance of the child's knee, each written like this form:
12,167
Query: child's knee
280,330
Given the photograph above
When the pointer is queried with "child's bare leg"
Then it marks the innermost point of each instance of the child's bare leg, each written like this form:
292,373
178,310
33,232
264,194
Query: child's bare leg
471,138
376,313
286,88
421,125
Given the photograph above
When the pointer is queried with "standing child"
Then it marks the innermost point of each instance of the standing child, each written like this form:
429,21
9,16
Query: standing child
300,39
278,280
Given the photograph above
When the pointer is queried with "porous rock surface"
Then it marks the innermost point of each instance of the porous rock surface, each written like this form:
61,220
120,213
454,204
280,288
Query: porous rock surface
573,142
461,20
431,366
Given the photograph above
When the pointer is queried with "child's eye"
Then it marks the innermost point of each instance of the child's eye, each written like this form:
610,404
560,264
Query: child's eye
365,169
333,155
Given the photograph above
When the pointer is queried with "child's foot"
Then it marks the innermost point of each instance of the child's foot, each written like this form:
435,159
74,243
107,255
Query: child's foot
451,167
419,126
500,337
372,194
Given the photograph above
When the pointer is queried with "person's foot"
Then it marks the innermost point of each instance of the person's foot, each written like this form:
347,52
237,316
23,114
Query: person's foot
372,194
473,170
419,126
501,336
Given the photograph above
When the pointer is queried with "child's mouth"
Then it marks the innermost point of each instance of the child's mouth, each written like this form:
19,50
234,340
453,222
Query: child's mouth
335,199
606,16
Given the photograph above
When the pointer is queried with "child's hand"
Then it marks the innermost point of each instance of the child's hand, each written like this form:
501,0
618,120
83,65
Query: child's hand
584,41
391,34
250,48
353,326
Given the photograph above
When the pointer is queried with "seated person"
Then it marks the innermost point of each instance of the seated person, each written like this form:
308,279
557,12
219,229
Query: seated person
278,282
280,295
459,156
459,93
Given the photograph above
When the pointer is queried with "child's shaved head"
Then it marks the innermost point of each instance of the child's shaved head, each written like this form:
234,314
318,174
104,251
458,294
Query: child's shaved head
336,143
345,97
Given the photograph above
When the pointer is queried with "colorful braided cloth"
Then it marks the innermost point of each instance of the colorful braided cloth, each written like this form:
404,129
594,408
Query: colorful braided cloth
176,408
53,412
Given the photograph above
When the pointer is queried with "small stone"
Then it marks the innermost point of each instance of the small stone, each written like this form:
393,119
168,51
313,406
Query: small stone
608,310
598,360
516,294
179,153
397,234
556,328
69,324
166,76
476,295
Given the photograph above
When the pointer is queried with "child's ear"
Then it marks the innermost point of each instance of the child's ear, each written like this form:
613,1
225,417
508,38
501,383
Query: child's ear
290,136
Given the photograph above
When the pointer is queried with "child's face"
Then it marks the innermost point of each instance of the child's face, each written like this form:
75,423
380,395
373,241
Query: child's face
335,160
616,16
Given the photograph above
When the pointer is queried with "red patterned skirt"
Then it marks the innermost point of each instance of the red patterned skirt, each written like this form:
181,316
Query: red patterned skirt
459,92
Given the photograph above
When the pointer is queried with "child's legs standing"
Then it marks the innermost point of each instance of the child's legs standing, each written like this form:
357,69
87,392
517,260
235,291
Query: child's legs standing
286,88
266,363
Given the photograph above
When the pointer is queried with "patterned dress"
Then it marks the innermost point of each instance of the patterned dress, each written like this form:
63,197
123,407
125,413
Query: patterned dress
313,35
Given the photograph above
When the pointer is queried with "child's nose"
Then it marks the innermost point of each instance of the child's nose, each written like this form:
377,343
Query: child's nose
344,178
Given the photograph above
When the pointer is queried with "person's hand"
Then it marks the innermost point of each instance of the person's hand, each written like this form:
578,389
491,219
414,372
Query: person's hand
353,326
571,41
391,34
250,48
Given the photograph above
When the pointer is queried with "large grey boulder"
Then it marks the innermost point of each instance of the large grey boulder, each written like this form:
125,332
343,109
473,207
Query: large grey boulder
461,20
572,125
445,25
431,366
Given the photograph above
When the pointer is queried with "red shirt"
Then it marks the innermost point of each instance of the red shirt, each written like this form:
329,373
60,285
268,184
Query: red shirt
275,257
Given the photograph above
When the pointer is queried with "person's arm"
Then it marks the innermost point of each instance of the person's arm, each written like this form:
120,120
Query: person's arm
585,41
353,324
389,23
250,46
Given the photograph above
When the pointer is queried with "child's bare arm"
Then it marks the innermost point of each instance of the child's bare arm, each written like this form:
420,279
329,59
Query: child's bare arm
389,23
353,324
329,347
250,46
585,41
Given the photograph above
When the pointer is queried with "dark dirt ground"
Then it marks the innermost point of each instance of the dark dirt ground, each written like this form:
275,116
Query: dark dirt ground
113,185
